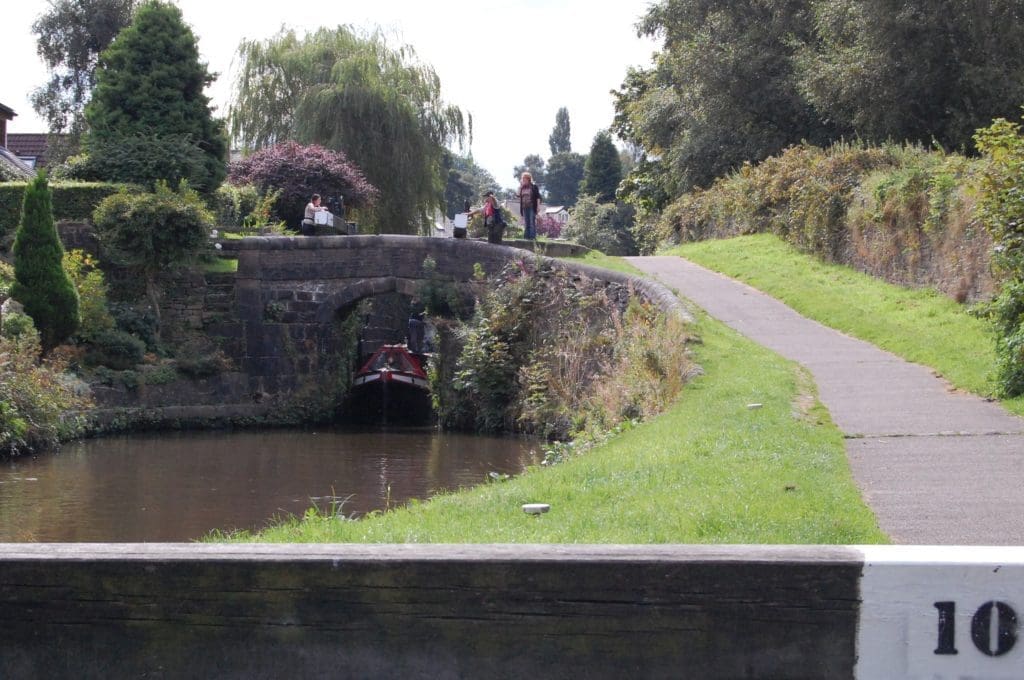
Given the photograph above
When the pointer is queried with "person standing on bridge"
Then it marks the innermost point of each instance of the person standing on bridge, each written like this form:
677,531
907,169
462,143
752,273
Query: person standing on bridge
529,201
494,222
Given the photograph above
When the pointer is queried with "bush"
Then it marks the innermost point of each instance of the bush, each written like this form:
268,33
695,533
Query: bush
299,172
549,226
17,325
203,364
232,204
88,280
601,226
37,400
6,280
137,321
116,349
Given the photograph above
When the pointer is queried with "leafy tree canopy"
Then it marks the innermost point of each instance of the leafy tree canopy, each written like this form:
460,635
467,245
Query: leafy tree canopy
564,174
352,91
740,80
151,84
919,71
467,181
534,165
723,89
70,36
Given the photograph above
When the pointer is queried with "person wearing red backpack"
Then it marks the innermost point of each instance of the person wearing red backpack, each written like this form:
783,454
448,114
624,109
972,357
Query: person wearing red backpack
494,221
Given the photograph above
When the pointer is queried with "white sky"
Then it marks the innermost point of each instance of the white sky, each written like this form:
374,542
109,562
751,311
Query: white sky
510,64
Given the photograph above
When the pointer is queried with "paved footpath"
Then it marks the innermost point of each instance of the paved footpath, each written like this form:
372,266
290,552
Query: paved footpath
937,466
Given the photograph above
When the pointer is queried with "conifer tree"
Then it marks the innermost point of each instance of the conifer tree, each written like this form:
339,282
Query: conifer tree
150,86
603,170
559,139
40,282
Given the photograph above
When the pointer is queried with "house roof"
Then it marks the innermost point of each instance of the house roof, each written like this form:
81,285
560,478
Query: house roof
7,112
12,162
32,144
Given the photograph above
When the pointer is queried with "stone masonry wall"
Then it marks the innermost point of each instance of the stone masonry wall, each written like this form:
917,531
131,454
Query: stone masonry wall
276,319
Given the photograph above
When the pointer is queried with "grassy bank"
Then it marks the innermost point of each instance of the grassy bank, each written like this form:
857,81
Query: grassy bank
709,470
919,325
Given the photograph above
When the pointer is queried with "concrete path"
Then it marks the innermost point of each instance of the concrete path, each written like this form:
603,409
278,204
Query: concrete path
937,466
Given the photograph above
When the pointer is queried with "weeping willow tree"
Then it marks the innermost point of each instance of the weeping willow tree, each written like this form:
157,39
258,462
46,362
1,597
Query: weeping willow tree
352,92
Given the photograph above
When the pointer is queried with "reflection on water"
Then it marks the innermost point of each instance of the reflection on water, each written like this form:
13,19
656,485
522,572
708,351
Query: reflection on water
179,486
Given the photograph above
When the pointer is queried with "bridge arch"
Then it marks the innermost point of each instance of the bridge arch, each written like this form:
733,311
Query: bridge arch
290,291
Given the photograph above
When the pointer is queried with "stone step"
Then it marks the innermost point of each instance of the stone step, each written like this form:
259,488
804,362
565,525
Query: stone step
218,298
219,278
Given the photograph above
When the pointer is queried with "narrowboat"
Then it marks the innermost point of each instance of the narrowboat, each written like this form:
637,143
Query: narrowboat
392,386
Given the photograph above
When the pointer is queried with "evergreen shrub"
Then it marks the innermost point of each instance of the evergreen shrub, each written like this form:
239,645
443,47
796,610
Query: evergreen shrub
136,320
40,282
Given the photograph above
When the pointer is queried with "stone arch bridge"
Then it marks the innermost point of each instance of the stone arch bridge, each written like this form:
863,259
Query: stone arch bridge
289,293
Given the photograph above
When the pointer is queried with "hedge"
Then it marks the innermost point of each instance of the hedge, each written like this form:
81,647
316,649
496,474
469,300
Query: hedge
71,201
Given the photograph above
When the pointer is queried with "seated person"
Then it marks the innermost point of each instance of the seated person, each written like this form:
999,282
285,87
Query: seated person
309,218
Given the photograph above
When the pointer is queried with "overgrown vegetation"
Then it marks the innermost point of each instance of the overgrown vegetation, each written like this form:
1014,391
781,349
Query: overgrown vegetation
87,277
1002,210
901,213
551,356
601,226
40,403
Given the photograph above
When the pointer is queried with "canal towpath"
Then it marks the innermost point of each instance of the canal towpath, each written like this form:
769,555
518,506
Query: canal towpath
936,465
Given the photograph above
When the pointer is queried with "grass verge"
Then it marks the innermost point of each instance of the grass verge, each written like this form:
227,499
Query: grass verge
220,265
709,470
919,325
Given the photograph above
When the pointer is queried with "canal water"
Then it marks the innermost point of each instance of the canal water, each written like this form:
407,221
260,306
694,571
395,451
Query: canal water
180,486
